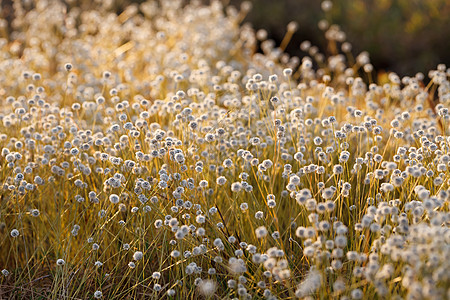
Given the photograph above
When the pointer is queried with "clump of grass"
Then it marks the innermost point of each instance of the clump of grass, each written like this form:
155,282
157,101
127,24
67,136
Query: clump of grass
155,154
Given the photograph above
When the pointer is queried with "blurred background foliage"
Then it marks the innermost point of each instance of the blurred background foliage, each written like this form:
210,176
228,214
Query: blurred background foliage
404,36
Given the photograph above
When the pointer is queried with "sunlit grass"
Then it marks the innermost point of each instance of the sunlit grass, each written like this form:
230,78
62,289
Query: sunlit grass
155,154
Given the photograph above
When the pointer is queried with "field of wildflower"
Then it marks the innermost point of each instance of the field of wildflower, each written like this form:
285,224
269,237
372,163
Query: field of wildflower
170,151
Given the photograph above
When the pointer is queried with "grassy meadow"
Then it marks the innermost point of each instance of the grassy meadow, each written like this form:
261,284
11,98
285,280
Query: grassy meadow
170,151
